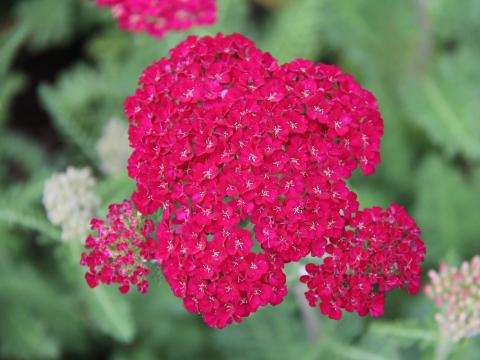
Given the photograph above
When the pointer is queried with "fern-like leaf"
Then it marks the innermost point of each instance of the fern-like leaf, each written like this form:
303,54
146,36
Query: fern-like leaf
294,31
445,104
22,152
29,220
447,208
405,333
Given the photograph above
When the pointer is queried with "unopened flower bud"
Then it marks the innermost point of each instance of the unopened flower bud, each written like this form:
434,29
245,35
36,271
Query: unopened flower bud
70,201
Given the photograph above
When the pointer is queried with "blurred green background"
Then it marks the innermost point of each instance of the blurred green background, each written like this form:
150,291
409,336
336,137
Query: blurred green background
65,70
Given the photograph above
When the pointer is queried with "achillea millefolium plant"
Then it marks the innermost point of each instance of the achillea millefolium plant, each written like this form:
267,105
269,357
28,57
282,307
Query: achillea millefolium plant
226,139
247,193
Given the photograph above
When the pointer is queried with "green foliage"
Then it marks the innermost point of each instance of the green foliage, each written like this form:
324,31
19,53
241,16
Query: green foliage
36,314
301,37
358,30
24,193
71,120
24,152
110,312
32,15
266,335
444,103
405,333
31,220
456,22
65,19
26,338
9,45
232,18
11,83
157,315
447,208
339,351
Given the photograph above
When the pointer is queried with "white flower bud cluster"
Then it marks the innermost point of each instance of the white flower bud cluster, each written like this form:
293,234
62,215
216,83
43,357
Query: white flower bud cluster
457,294
113,147
70,201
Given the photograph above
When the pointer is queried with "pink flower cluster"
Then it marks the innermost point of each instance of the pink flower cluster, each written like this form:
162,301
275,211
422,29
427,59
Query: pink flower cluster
118,252
156,17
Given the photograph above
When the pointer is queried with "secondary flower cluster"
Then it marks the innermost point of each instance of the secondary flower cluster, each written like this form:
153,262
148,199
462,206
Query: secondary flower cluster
70,201
457,294
377,252
157,17
224,137
120,249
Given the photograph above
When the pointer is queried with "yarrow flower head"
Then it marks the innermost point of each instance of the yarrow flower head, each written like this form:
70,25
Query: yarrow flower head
113,148
120,249
224,140
456,292
70,201
380,251
157,17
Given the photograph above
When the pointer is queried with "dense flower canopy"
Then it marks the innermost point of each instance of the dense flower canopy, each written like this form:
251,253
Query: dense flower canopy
225,139
156,17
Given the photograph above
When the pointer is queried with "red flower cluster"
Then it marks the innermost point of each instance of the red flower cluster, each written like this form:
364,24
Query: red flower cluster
156,17
224,138
377,252
120,249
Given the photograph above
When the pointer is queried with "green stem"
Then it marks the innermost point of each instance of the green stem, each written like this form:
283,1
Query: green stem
443,348
425,46
312,327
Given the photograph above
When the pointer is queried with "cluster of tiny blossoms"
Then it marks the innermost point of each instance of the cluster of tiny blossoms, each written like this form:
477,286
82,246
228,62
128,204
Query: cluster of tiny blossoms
224,136
70,201
377,252
157,17
120,249
112,147
457,294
